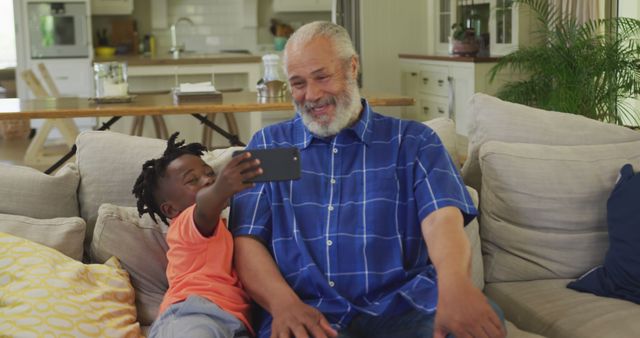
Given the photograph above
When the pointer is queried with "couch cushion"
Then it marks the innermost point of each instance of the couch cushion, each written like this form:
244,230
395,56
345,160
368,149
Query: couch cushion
548,308
140,246
64,234
620,275
494,119
29,192
109,164
543,207
472,231
44,293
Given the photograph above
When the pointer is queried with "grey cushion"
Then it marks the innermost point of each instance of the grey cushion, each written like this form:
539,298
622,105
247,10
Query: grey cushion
29,192
543,210
64,234
548,308
472,231
109,164
494,119
140,245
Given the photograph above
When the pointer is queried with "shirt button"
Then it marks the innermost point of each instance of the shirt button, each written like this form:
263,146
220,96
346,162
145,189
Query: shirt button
335,150
333,181
331,283
329,242
331,208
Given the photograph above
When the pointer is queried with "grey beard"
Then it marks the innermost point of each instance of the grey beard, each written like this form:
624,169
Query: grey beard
347,106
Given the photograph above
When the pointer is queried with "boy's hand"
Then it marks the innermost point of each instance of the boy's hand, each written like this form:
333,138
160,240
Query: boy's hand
235,175
211,200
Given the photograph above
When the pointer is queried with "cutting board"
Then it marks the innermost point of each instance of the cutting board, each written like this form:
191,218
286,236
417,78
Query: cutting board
123,33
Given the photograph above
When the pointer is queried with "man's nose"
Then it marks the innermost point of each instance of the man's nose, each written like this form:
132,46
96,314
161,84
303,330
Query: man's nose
313,92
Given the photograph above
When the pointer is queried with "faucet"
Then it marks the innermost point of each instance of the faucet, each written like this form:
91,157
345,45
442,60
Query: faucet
175,49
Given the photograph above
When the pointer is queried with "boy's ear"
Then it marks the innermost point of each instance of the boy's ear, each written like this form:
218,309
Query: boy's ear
168,209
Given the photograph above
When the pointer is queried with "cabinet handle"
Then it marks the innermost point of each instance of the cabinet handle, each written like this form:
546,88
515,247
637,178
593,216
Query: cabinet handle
425,110
62,77
414,73
440,111
425,80
452,100
440,82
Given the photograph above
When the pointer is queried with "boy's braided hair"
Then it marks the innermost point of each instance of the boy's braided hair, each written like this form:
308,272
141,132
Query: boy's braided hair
146,185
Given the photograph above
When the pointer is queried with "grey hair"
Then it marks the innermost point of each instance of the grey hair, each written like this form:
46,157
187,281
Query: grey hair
335,33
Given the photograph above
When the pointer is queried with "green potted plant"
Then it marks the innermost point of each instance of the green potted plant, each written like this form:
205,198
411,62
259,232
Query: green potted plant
463,40
589,68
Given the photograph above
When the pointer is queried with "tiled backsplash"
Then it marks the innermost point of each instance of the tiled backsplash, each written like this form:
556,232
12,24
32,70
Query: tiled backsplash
219,25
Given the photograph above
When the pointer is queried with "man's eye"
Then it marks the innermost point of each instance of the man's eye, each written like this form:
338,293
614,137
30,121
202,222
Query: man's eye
297,85
192,180
211,174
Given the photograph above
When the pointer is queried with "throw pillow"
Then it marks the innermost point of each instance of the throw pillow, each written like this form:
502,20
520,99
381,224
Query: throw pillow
494,119
140,245
619,277
543,214
44,293
63,234
29,192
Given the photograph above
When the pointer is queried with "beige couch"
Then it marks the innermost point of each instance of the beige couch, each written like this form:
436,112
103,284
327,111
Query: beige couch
88,207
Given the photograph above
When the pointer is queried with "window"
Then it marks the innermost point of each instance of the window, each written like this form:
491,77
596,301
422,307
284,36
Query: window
7,35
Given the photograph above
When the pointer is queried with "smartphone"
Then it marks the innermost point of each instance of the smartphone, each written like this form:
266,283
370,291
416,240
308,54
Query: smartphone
278,164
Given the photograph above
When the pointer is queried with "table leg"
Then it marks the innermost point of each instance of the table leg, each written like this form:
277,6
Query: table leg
233,138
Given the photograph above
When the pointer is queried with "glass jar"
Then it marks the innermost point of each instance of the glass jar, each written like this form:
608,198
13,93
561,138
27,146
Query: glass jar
110,79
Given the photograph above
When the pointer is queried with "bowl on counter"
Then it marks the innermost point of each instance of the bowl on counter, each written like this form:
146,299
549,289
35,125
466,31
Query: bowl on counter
105,52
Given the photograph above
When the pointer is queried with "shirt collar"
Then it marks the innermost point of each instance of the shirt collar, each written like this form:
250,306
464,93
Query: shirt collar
361,129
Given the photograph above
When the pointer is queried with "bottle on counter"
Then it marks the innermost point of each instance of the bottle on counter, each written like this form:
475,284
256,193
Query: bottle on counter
152,45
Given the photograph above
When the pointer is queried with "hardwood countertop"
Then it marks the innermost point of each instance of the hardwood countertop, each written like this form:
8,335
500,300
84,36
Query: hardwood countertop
162,104
185,59
452,58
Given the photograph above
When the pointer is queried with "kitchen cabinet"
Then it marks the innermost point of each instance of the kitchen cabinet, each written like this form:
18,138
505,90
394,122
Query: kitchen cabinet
111,7
508,26
442,86
301,5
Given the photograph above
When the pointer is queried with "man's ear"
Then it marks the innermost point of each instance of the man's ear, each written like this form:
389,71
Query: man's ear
168,209
355,66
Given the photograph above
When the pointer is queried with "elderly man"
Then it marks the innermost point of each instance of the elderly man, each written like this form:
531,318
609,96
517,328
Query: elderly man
353,247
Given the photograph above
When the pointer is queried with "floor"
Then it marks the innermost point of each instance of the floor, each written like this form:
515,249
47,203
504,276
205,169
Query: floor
12,152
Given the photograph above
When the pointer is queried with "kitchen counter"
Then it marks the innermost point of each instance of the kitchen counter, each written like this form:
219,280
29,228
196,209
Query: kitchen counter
453,58
185,59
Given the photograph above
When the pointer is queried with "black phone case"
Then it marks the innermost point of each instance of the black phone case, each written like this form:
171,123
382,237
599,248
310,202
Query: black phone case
278,164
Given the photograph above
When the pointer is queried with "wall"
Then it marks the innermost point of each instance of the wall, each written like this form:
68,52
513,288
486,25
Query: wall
389,29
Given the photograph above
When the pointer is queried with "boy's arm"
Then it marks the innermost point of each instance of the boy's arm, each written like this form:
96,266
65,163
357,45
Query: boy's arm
212,199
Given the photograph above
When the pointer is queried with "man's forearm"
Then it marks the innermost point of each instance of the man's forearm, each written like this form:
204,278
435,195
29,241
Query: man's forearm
447,244
260,275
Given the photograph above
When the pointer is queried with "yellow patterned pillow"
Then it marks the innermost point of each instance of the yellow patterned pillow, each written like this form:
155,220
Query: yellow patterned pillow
44,293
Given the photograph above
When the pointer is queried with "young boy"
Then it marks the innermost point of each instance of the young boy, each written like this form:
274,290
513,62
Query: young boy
205,297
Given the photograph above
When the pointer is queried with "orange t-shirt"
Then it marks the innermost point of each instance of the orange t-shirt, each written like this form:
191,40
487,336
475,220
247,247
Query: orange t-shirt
203,266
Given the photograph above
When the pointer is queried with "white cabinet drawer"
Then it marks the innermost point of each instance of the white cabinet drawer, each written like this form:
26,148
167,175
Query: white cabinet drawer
431,107
434,82
72,78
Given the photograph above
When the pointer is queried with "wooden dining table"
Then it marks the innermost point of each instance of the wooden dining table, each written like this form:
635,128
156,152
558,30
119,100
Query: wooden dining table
163,104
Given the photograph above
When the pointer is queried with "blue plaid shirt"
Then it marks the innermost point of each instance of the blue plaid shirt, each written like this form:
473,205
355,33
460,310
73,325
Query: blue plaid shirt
347,235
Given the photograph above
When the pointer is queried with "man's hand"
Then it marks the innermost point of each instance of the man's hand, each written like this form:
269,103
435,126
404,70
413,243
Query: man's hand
465,312
300,320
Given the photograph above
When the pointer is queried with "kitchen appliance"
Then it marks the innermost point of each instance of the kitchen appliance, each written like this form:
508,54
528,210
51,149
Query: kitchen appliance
58,29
